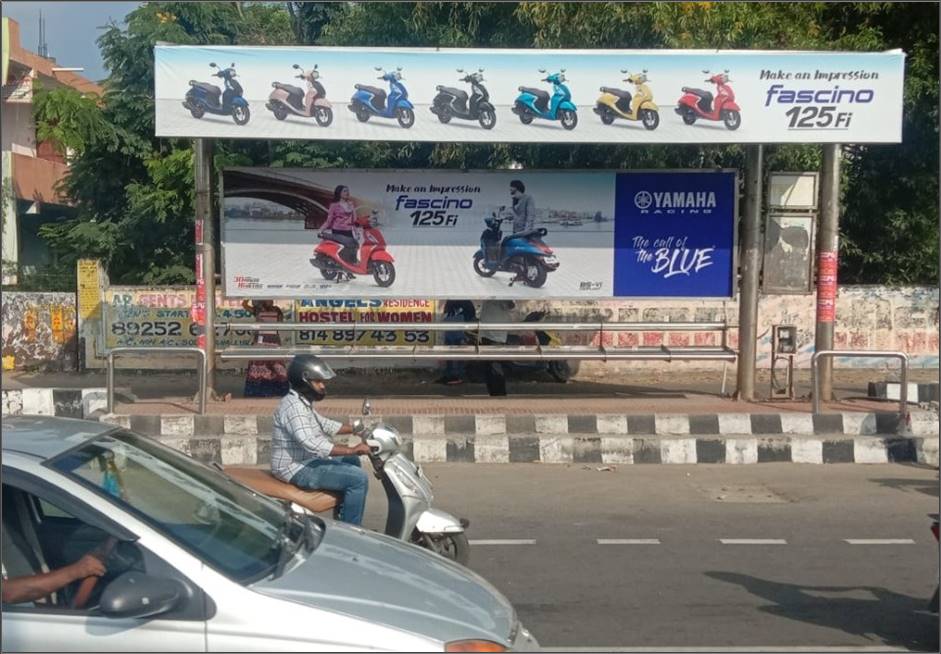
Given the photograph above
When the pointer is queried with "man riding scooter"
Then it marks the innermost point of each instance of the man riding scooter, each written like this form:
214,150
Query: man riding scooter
302,450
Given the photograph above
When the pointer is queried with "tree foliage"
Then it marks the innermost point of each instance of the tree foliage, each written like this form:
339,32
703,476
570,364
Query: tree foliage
135,193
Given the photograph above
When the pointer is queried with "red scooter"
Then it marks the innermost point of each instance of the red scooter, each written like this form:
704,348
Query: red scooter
373,258
697,103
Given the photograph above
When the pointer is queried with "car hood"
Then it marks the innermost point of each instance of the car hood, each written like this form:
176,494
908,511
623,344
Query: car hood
383,580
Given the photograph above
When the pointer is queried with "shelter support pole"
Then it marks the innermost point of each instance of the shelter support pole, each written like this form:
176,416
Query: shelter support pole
751,270
828,245
204,308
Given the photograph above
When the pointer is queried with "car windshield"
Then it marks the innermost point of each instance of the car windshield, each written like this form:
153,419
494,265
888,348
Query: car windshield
224,524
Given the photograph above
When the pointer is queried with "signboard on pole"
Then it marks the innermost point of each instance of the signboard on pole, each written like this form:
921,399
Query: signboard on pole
298,233
528,96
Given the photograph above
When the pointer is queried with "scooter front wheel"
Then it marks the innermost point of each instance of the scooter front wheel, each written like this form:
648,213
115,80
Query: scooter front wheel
487,118
481,270
406,117
384,273
732,119
451,546
569,119
240,114
650,118
323,116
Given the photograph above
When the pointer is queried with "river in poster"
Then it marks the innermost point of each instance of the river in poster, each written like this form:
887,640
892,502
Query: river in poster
444,234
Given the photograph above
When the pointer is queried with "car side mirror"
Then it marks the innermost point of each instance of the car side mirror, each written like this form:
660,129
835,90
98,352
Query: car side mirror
137,595
367,407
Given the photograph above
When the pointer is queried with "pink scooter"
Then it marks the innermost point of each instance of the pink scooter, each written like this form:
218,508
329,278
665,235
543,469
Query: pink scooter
287,99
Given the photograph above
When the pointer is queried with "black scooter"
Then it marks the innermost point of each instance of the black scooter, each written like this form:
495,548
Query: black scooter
203,97
453,103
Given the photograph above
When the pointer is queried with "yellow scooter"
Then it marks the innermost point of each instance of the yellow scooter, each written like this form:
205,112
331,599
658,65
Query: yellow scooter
617,103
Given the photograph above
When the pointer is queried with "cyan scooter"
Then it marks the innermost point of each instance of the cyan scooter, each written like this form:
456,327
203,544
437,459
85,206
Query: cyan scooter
523,254
203,97
535,103
371,101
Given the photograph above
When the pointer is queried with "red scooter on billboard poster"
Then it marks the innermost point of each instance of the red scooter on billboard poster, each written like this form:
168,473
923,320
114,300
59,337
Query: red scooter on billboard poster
697,103
373,259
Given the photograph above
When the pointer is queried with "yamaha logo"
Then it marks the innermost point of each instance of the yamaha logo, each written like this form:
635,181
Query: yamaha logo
675,202
643,200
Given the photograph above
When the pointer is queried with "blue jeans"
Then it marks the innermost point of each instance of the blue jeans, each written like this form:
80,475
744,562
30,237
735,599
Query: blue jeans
454,369
344,474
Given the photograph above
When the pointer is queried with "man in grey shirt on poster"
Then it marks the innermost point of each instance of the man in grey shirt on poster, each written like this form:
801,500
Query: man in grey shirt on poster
524,208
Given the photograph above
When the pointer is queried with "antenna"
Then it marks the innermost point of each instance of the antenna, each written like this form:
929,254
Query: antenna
43,46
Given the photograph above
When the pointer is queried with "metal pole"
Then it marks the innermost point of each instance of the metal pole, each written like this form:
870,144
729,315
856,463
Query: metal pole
751,269
827,257
206,266
110,382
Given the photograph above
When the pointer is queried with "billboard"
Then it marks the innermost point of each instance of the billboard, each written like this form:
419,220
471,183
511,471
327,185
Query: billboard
512,234
535,96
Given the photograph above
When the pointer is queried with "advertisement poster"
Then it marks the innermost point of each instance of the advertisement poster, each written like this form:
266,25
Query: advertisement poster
297,233
362,313
144,318
528,96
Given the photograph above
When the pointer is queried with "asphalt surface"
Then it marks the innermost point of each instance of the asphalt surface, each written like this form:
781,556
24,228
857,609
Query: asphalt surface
785,577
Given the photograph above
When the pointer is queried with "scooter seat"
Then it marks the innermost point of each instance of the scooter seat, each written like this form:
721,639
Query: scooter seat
211,89
460,94
265,483
618,92
291,90
539,93
699,92
375,90
539,232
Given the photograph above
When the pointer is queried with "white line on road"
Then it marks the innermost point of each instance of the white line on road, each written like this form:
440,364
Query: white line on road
753,541
880,541
504,541
628,541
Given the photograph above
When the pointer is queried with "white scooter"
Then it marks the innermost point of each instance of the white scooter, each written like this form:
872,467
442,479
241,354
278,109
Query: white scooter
409,493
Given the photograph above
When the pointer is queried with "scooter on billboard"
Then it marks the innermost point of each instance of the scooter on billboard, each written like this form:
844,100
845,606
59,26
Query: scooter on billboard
618,103
371,101
535,103
453,103
523,254
286,99
205,98
373,260
697,103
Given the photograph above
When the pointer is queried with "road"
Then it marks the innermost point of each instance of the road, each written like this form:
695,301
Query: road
684,562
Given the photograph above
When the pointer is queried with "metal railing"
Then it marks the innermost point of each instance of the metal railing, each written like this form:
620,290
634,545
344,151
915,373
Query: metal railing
885,354
488,352
201,370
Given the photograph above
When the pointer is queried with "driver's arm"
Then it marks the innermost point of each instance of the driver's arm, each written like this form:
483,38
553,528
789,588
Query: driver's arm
33,587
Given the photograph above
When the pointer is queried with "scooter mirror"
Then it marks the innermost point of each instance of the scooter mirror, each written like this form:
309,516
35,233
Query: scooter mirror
212,65
480,70
460,70
367,407
705,71
233,65
542,70
624,71
378,68
562,71
296,66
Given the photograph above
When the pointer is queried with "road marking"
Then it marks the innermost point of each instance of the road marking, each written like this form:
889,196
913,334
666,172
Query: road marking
628,541
753,541
504,541
880,541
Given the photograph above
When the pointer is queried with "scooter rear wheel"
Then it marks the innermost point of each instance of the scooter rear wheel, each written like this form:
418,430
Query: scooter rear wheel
606,116
196,111
279,112
689,117
362,114
480,269
444,115
328,274
526,118
241,114
451,546
323,116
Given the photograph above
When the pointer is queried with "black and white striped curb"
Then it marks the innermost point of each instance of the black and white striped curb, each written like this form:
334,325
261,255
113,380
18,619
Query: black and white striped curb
61,402
602,439
917,392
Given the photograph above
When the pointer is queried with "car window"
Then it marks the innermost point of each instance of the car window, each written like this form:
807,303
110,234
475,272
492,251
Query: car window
227,526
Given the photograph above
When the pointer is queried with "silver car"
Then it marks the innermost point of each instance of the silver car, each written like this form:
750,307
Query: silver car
197,562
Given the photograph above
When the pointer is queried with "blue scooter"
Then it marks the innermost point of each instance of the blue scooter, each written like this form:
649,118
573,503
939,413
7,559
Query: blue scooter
535,103
371,101
203,97
523,254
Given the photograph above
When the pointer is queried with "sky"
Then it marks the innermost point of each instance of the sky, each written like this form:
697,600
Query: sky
71,29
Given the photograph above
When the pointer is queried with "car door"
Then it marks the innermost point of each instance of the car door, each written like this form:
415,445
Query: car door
63,530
